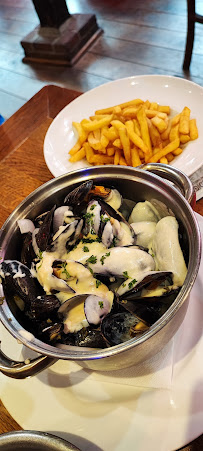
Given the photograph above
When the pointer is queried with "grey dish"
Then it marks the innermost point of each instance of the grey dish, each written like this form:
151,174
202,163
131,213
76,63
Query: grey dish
34,441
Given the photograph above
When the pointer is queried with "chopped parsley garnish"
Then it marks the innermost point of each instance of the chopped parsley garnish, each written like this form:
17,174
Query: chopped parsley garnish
123,285
40,254
113,244
103,257
125,274
91,240
104,220
65,270
92,207
92,259
89,219
133,282
90,270
153,255
98,282
101,304
85,249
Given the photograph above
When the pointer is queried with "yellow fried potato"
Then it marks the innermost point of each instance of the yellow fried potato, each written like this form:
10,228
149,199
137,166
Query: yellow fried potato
130,112
122,161
125,141
159,123
75,148
94,125
141,116
117,124
174,133
117,156
117,143
110,151
102,159
88,152
135,157
78,156
163,160
81,132
154,106
178,151
193,129
184,121
164,109
184,139
163,152
132,133
121,105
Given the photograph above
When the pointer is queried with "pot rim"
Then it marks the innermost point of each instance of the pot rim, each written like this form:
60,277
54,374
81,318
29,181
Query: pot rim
78,353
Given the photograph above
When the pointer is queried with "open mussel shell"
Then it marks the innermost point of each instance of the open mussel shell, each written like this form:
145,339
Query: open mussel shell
121,327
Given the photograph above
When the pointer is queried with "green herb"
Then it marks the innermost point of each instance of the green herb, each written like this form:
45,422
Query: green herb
65,270
92,207
101,304
130,285
85,249
98,282
113,244
153,255
125,274
123,285
89,219
92,259
91,240
40,256
104,220
103,257
90,270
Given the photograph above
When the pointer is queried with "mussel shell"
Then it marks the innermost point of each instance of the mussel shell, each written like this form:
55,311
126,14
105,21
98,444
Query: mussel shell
117,328
27,251
43,307
49,333
18,280
78,197
89,337
43,236
158,276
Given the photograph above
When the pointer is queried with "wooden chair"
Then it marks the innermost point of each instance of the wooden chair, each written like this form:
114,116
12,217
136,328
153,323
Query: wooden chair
192,18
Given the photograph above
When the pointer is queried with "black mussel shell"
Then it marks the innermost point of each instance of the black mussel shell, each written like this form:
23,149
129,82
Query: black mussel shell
43,307
159,276
49,332
44,234
18,280
27,251
89,337
121,327
79,196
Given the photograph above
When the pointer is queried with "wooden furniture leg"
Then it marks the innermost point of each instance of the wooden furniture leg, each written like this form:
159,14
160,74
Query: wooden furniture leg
192,18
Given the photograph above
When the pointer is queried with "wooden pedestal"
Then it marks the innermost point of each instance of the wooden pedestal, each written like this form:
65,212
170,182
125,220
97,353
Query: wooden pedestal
63,45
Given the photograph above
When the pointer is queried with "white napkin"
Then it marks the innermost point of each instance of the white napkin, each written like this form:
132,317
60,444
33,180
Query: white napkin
153,373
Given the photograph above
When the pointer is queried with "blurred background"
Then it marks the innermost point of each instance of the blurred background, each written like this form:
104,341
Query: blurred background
139,37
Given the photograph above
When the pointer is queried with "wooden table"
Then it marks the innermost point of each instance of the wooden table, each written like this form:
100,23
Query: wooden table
23,169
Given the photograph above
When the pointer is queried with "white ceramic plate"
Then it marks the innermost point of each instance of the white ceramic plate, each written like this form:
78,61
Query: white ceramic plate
165,90
98,415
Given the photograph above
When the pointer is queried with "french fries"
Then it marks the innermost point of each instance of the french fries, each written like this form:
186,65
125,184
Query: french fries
133,133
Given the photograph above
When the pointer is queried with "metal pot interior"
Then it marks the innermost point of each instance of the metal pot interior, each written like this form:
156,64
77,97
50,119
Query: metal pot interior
134,185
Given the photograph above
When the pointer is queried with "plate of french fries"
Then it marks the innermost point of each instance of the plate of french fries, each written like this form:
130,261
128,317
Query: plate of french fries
130,121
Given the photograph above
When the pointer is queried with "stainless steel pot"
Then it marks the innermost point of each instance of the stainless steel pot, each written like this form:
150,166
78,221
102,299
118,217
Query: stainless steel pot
140,184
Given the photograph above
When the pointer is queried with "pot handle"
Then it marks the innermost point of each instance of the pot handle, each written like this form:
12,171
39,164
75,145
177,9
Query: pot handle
175,176
21,370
